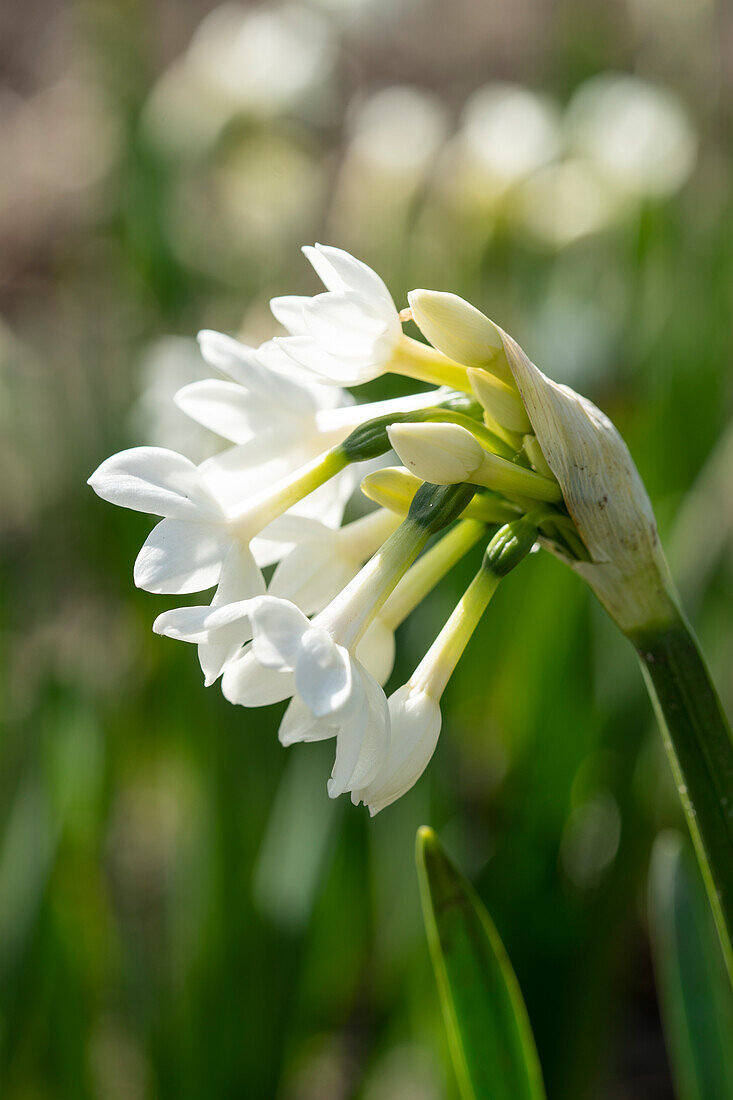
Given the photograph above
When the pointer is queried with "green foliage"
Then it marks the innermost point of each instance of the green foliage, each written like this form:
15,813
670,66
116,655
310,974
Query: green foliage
490,1039
696,998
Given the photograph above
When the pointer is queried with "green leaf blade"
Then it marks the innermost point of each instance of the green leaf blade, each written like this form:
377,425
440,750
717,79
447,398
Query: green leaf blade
489,1034
695,996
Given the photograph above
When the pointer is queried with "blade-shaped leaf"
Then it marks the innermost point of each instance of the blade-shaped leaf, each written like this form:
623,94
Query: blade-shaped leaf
694,992
488,1029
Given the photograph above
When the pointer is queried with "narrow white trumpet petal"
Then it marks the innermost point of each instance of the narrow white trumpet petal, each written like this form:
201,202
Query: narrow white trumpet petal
459,330
363,740
604,495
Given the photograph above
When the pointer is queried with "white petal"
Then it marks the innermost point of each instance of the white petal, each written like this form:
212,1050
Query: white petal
231,357
376,650
342,324
224,408
312,574
307,353
278,627
323,675
339,270
252,369
152,479
240,577
179,557
240,472
249,684
298,724
376,738
348,746
185,624
288,310
415,722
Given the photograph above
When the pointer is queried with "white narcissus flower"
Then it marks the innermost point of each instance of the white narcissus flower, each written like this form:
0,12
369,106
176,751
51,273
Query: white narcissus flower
186,551
339,696
277,420
415,723
317,661
346,335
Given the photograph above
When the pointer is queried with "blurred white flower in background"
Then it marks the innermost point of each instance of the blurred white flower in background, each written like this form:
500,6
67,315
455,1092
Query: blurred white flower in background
506,133
169,364
393,139
638,135
397,131
262,62
565,202
510,132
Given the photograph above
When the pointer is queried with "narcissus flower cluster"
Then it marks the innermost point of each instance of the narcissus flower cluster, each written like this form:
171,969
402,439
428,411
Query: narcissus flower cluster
304,607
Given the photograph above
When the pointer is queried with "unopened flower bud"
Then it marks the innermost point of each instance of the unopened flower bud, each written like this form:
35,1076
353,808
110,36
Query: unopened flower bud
440,453
445,454
501,402
460,331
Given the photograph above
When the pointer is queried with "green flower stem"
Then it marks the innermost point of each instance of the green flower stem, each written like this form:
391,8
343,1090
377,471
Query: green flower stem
698,741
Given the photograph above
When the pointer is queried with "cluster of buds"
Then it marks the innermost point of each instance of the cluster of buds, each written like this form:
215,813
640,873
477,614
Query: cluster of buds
492,451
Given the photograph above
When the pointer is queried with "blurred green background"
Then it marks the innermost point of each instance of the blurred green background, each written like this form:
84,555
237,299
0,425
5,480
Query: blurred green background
183,913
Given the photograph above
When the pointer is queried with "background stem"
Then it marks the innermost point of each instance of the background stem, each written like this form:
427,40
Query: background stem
698,740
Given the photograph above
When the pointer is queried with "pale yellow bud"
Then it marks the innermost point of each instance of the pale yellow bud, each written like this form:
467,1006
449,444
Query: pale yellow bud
460,331
446,454
391,487
501,402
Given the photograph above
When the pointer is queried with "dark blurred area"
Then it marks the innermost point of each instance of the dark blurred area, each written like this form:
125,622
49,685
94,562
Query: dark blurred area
183,912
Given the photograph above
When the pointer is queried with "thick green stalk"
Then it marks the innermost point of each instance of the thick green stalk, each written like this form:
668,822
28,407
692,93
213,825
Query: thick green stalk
698,741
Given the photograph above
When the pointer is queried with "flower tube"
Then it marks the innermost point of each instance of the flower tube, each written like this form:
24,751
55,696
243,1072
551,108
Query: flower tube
414,708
